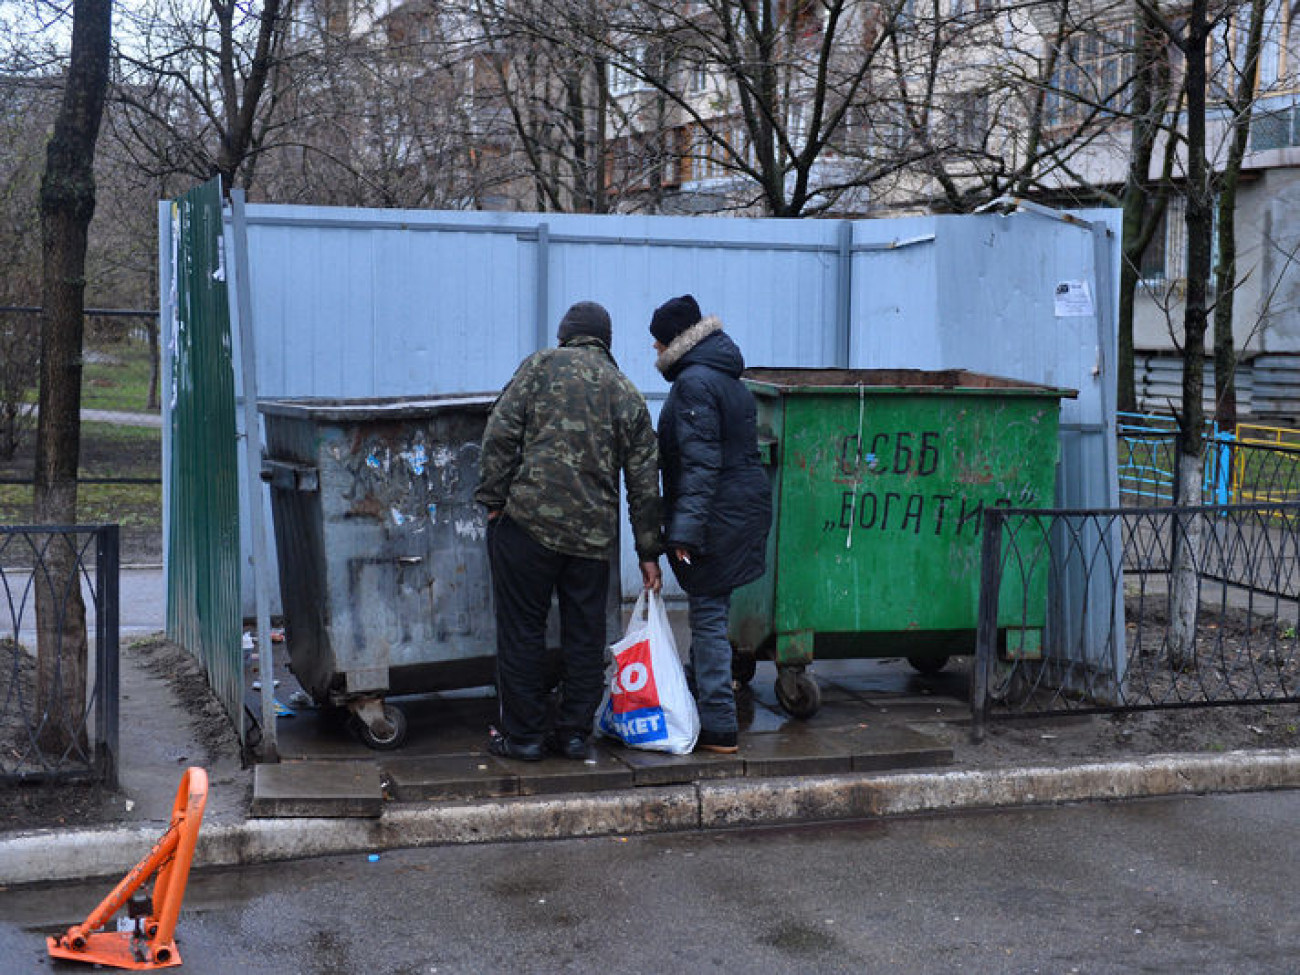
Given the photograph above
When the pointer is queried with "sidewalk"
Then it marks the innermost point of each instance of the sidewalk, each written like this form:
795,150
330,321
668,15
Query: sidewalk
886,742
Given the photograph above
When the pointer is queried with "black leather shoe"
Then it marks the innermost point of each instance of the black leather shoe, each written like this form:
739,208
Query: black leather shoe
572,746
503,747
721,742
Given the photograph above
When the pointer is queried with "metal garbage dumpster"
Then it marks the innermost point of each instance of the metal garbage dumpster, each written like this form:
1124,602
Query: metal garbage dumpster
384,575
880,478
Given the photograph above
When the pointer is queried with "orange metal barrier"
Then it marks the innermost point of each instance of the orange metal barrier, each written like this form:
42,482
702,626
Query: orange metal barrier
151,944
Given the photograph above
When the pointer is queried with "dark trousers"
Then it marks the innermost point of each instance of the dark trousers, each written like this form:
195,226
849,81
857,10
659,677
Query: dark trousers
525,574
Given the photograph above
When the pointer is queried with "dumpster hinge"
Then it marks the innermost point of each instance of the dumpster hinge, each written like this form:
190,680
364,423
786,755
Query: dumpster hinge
290,477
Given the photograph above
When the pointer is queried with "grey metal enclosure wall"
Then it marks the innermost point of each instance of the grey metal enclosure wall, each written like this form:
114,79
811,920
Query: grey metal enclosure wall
360,303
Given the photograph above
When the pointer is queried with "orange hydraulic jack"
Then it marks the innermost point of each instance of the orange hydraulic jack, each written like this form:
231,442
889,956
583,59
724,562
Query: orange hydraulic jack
150,945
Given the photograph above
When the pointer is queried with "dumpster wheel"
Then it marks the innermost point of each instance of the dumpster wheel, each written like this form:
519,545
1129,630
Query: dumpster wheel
379,725
797,692
927,665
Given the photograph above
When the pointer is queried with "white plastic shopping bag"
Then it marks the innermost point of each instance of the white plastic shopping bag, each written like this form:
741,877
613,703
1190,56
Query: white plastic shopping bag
647,703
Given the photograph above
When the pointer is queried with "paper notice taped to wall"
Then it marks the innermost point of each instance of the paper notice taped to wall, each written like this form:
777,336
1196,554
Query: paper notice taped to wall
1073,300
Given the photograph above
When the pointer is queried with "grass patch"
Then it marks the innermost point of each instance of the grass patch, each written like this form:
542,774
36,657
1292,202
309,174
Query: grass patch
115,376
107,451
128,505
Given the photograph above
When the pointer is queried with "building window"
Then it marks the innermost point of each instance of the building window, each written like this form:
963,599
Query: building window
699,79
1274,127
1093,76
969,119
1153,267
1164,263
716,151
625,78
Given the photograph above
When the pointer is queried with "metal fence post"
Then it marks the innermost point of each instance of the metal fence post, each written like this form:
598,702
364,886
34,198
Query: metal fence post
541,324
253,484
107,646
986,629
844,296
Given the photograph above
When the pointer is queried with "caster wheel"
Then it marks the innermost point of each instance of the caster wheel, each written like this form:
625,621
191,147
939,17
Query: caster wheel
382,739
798,693
927,665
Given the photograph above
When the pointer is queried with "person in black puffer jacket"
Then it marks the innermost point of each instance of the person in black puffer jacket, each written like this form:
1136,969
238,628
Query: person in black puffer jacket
717,502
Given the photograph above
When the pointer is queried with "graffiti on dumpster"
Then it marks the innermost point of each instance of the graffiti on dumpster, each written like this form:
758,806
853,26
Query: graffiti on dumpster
404,483
892,511
909,457
912,453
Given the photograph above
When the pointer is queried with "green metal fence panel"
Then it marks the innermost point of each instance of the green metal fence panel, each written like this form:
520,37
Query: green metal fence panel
203,583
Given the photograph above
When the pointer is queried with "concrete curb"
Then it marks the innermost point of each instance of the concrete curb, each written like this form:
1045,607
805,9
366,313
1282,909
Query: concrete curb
50,855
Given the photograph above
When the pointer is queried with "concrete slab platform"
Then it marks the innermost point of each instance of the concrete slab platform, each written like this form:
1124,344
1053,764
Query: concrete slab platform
317,789
445,758
884,748
601,771
780,754
660,768
440,777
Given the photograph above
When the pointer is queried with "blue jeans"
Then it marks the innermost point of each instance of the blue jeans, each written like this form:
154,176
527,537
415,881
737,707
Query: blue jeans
709,670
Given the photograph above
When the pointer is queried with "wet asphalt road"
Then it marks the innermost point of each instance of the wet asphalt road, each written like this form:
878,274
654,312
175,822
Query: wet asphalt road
1191,885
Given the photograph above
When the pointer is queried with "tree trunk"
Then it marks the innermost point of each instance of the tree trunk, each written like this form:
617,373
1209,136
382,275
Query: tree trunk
1184,585
155,352
1142,212
155,359
242,90
1191,421
1225,273
67,205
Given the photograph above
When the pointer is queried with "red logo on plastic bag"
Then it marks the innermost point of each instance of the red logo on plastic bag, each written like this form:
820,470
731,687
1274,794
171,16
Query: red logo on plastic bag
633,686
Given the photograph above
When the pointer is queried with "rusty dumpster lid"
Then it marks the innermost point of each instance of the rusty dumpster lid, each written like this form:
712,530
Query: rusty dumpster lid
891,381
375,408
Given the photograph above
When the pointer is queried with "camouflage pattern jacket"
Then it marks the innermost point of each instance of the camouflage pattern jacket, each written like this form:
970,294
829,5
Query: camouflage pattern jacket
555,442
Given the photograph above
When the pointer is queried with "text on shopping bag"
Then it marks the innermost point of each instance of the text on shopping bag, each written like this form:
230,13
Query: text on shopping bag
634,699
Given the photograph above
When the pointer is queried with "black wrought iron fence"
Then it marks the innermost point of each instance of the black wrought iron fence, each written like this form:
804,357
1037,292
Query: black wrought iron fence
59,652
1131,609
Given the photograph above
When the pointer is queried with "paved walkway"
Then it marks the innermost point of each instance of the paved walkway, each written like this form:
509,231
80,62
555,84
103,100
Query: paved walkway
142,602
122,418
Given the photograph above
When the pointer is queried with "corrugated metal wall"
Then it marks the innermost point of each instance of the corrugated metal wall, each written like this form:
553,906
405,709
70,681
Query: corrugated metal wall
355,303
202,536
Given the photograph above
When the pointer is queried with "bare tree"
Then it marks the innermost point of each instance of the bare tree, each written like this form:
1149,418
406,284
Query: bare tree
772,103
195,77
1144,200
1240,101
545,89
386,110
67,204
1190,34
26,105
750,105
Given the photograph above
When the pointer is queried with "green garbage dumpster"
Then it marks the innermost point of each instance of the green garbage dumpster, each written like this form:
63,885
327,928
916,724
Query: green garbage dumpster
880,478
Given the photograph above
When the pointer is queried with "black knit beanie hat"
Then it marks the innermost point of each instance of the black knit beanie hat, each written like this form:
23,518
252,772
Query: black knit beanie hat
585,318
673,317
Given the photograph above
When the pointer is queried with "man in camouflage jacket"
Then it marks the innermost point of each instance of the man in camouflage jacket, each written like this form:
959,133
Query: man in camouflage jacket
568,422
